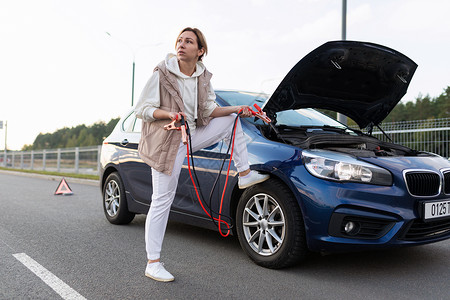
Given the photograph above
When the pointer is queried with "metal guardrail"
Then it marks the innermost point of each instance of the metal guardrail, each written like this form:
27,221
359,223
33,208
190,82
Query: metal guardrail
423,135
79,160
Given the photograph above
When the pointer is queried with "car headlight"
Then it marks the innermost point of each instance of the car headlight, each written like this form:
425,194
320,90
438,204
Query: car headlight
341,167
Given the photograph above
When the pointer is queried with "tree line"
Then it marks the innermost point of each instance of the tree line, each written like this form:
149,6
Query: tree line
422,108
79,136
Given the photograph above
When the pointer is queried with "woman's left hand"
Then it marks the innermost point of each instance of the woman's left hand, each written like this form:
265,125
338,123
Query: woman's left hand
227,110
246,111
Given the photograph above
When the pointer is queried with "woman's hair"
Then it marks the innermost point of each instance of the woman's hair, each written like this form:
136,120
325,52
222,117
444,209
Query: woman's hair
201,41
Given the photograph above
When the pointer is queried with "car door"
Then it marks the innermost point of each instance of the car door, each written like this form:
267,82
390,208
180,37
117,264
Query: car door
136,174
207,163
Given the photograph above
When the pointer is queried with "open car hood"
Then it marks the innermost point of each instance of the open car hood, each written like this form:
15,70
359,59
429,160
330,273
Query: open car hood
363,81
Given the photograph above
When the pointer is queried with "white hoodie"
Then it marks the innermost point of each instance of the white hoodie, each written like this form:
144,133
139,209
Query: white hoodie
149,100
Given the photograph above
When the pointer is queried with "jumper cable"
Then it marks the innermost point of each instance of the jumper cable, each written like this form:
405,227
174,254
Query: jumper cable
185,133
260,114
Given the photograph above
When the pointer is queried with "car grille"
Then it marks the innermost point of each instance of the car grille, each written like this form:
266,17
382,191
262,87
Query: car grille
447,182
420,230
423,183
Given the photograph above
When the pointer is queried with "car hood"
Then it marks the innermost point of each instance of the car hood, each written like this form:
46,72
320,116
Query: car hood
361,80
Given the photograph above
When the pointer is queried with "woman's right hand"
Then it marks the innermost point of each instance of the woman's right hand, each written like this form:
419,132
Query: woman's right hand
175,116
161,114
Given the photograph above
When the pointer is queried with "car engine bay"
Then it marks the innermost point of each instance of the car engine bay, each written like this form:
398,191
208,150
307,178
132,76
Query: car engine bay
341,140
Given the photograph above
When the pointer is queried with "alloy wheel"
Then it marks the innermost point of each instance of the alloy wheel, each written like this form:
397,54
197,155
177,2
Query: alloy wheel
264,224
112,198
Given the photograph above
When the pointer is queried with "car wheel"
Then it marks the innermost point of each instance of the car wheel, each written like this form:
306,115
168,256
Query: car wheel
270,225
114,201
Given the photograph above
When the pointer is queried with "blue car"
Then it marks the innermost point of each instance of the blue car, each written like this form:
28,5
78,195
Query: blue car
331,188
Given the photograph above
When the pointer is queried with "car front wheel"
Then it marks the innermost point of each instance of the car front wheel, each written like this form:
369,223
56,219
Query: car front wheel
114,201
270,225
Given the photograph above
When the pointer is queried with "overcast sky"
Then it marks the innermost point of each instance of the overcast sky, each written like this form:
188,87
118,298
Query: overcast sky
59,68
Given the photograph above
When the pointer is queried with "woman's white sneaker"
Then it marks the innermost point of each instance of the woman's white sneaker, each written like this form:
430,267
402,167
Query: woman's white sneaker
251,178
157,272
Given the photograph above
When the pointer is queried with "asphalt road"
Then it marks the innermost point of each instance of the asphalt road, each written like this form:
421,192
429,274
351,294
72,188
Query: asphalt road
70,237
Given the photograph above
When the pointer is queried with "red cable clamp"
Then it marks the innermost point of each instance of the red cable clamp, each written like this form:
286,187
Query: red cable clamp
171,126
260,114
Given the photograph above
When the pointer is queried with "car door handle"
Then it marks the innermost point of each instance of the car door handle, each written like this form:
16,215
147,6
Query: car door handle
124,142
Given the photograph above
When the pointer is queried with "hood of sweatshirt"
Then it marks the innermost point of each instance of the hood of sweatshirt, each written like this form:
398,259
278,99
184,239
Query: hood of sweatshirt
172,65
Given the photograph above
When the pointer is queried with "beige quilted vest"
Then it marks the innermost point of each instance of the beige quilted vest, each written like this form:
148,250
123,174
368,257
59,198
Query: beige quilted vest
158,147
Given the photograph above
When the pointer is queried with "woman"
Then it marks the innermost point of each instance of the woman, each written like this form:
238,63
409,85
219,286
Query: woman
180,85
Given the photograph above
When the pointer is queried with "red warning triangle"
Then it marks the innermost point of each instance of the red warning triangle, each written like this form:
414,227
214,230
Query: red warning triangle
63,188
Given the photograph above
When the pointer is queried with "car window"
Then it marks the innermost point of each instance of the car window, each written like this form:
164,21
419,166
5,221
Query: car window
305,117
298,117
128,122
137,125
242,98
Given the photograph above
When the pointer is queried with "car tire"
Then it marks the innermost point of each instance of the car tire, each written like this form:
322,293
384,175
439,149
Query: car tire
114,201
272,235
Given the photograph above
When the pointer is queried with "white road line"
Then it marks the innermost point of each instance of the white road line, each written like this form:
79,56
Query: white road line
65,291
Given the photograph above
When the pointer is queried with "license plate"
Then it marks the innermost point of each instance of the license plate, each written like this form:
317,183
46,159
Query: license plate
436,209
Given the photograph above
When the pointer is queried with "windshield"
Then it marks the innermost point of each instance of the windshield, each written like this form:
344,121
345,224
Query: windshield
299,117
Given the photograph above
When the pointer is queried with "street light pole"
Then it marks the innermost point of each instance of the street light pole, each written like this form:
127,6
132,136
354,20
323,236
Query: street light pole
5,156
133,52
6,135
340,117
344,20
132,81
132,84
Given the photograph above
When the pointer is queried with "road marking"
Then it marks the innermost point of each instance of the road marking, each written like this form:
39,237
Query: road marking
65,291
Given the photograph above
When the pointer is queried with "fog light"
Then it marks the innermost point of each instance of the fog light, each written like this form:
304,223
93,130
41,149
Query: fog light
351,228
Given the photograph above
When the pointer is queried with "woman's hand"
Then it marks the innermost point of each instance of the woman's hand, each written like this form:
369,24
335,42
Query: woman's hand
175,116
228,110
160,114
246,111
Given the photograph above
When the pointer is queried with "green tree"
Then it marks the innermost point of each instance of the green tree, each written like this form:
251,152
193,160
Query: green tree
423,108
78,136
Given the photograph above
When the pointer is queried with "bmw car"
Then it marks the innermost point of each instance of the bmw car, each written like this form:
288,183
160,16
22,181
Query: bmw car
331,188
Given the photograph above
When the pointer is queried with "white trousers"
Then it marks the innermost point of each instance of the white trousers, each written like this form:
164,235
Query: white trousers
164,186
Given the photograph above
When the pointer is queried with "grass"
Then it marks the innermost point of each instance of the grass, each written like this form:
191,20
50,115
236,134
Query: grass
73,175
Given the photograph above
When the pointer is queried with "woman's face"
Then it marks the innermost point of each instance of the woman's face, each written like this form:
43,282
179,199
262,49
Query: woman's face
187,47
